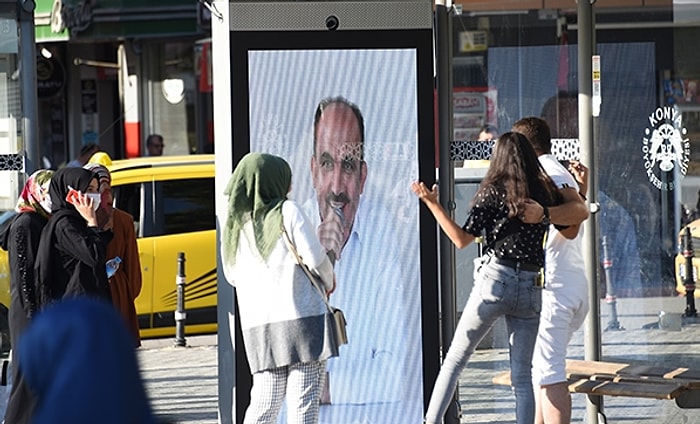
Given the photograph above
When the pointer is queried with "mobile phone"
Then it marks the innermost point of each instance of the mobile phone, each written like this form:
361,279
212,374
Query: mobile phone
72,196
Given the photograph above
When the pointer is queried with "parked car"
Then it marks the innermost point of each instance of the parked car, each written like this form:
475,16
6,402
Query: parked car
681,261
172,201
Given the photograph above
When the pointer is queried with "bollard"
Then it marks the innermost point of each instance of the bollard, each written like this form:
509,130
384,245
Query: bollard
180,314
610,297
689,280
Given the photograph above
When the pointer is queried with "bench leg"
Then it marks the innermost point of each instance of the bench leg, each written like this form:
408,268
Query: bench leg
688,399
602,419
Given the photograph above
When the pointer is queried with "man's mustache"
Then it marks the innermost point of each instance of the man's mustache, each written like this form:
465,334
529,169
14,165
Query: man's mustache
337,198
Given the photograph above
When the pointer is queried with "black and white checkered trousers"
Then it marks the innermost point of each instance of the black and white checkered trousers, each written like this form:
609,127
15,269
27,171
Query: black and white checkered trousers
300,383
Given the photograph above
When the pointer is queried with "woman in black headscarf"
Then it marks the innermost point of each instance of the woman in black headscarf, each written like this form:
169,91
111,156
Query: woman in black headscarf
72,250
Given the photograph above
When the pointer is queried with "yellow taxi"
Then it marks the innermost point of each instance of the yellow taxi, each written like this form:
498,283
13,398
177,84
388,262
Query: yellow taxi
681,260
172,201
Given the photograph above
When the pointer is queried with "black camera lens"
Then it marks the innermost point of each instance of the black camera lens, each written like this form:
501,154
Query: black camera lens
332,23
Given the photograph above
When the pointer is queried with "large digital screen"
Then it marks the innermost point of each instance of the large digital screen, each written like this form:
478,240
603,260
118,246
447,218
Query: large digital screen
386,283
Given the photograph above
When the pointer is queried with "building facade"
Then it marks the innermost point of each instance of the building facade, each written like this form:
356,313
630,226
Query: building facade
114,71
119,71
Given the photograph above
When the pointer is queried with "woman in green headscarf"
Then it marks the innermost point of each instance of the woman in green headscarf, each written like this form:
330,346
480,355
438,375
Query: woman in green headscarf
283,317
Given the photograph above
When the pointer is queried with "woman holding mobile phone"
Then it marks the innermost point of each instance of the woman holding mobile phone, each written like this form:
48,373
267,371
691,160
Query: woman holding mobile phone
72,250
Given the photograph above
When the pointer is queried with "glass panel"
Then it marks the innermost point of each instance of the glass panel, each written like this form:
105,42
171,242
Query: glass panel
174,95
10,110
127,197
513,64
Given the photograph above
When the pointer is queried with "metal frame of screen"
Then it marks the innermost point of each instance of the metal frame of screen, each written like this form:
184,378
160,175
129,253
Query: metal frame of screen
242,43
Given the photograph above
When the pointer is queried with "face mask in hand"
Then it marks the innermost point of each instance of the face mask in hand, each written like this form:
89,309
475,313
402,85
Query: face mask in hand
96,198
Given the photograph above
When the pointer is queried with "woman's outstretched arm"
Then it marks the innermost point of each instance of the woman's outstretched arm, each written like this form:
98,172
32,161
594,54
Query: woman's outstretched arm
455,233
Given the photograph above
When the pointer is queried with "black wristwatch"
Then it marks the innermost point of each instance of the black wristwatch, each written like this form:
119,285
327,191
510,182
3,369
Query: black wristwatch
545,216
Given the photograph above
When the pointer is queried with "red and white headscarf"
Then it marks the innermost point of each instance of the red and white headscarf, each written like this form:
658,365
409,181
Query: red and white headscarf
35,193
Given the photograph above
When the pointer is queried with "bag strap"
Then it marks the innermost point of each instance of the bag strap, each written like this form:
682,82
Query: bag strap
312,278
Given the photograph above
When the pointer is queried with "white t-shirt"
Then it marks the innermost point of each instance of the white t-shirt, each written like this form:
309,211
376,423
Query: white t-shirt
563,257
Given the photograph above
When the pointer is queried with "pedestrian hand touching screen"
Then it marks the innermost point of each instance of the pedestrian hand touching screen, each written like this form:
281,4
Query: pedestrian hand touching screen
507,278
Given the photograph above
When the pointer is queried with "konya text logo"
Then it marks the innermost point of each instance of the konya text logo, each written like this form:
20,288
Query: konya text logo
665,147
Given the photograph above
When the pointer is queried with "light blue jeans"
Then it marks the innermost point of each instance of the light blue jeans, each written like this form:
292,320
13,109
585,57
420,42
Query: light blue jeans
498,291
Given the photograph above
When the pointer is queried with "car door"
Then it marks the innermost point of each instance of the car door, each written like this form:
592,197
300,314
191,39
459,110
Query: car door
186,224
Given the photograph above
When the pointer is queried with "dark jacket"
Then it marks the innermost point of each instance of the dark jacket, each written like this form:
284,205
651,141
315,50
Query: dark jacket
71,259
21,240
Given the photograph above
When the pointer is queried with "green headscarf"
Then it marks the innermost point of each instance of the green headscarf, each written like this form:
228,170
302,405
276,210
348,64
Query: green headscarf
256,190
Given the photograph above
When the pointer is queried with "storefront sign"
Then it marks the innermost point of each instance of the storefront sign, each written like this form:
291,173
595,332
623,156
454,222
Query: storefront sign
473,41
75,17
50,77
105,19
9,41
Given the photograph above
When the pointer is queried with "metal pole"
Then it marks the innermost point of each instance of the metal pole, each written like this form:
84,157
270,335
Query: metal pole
443,53
180,314
30,109
592,331
610,298
689,280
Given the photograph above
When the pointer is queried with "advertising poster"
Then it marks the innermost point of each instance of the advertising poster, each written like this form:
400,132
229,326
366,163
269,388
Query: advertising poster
472,108
378,376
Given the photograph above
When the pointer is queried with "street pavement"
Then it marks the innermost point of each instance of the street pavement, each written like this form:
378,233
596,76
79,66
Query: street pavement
182,381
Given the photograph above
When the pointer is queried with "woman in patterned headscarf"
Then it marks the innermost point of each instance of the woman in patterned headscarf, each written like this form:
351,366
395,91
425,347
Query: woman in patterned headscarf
125,284
21,240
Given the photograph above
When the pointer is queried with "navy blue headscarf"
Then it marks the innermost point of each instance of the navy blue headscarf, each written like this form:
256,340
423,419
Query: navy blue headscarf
78,358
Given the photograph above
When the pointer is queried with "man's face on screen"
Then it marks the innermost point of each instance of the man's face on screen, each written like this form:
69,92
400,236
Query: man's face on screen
337,168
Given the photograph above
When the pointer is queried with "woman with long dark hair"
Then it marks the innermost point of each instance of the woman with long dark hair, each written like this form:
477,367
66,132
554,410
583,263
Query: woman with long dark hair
507,277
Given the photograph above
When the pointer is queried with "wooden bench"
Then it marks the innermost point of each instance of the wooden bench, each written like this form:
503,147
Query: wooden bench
631,380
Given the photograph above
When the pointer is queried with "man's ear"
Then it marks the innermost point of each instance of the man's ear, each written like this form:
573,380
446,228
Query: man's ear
313,170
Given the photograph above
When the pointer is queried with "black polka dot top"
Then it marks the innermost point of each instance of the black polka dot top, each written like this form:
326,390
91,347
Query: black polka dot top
507,238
